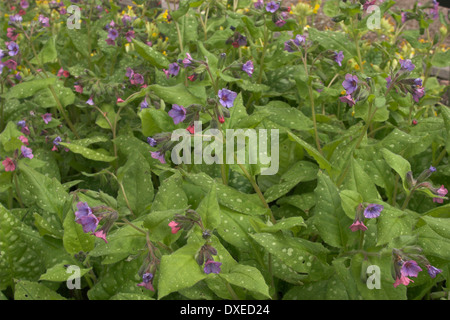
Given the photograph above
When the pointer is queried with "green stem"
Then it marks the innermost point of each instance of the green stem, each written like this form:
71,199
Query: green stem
19,197
311,100
405,203
231,291
257,189
261,62
363,133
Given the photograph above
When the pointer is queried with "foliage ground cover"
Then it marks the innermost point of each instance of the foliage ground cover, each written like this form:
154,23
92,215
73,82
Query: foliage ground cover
96,204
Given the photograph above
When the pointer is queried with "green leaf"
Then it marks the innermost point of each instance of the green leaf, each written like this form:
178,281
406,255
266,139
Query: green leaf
179,270
323,163
9,137
122,243
47,54
209,210
329,217
155,121
399,164
28,88
137,184
58,273
157,222
87,153
18,260
295,253
302,171
439,225
74,239
155,58
358,180
177,94
248,278
229,197
26,290
393,223
121,277
47,193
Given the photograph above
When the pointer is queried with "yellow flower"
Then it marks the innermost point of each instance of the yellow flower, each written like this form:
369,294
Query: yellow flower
221,28
343,92
164,53
316,8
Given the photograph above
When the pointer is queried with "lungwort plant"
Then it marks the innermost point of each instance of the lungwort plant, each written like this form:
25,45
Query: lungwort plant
223,150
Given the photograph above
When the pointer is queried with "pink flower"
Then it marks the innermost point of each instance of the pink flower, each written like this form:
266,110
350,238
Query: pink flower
358,225
101,234
9,165
24,140
47,117
78,88
442,191
175,226
402,280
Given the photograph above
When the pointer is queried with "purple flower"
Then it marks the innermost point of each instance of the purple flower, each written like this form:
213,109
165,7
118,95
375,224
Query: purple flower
418,82
26,152
47,117
373,210
432,169
90,101
136,79
88,222
404,17
248,67
435,10
347,99
188,60
258,4
83,210
280,22
272,6
174,69
13,48
125,19
442,191
57,140
407,64
15,19
418,93
24,4
389,81
178,113
144,104
44,21
10,64
129,74
147,281
22,123
212,266
299,39
152,142
113,34
350,83
226,97
338,57
410,269
130,35
433,271
368,3
158,155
